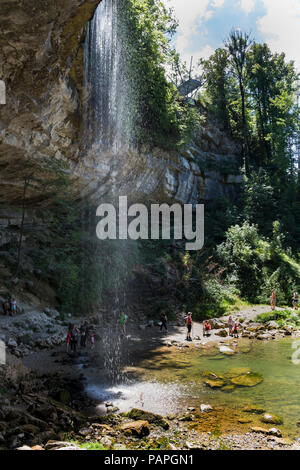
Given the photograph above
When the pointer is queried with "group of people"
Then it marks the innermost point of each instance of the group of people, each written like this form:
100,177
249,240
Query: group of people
233,327
10,306
295,299
79,336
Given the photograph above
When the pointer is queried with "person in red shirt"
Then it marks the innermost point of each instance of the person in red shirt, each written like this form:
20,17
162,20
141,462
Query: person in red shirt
189,323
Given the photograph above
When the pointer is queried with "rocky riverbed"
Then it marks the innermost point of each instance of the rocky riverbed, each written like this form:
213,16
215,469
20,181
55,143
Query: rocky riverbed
44,404
50,412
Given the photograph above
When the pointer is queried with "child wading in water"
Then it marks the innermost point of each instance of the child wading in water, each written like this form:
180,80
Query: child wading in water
189,323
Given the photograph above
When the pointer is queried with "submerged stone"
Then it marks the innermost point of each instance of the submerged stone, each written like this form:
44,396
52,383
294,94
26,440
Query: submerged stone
226,350
253,409
272,419
210,375
237,371
218,383
228,388
247,380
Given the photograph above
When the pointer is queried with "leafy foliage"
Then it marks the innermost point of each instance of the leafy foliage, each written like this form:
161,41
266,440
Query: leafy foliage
162,117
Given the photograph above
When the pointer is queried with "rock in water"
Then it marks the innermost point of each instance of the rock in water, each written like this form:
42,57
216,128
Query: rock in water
205,408
217,383
226,350
272,419
253,409
247,380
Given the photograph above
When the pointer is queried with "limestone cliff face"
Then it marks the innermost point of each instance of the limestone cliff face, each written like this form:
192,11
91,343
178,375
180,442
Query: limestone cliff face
205,170
41,62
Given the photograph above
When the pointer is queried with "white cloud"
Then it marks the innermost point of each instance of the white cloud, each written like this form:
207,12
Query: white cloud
280,27
247,5
191,15
205,52
217,3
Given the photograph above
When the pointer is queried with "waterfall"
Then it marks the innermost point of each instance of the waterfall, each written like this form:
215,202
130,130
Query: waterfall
111,94
110,90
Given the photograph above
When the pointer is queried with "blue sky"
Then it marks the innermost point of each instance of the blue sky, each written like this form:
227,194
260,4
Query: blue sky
204,24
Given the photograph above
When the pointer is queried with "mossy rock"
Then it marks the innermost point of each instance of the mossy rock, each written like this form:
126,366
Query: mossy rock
271,419
217,383
228,388
207,374
152,418
254,409
237,372
247,380
244,420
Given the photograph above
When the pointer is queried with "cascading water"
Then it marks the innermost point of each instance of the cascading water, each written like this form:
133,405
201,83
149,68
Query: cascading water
110,91
110,103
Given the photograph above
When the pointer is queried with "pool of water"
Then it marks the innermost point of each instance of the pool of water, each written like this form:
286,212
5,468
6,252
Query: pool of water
169,380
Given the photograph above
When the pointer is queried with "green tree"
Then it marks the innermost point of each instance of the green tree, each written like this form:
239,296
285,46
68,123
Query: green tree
238,45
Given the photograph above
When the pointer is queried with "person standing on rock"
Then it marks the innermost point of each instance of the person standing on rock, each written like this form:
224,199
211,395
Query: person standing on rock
13,306
189,323
163,321
273,300
92,340
74,338
83,334
235,330
230,325
295,300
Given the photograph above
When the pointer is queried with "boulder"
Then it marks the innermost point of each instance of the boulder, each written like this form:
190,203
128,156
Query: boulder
264,336
247,380
137,428
205,408
288,330
222,333
57,445
226,350
152,418
272,325
271,419
216,324
254,409
275,432
259,430
217,383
